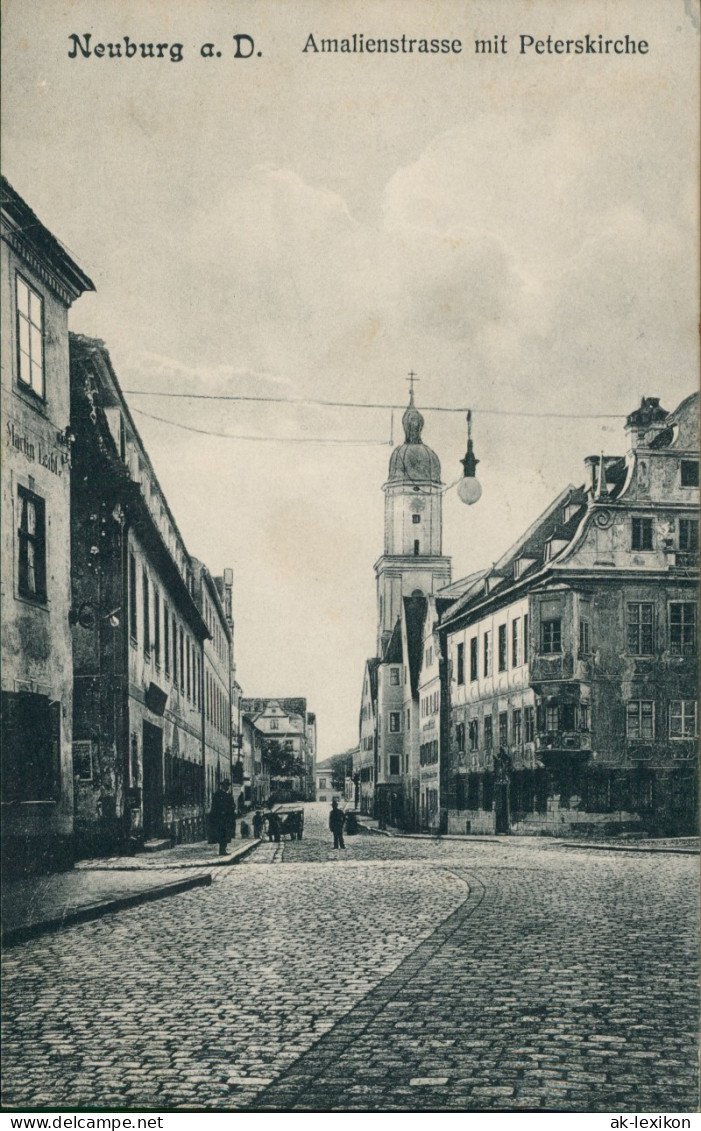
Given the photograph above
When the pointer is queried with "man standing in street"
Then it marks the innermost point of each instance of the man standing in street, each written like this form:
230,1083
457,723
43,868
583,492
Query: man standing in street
337,819
223,816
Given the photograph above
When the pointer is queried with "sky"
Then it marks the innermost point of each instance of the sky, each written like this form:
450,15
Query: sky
520,230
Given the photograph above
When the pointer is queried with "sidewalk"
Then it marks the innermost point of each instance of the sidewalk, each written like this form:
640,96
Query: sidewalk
198,855
41,904
681,846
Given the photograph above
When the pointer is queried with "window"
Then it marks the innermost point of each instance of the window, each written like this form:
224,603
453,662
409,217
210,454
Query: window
175,653
529,724
395,722
274,724
552,718
132,597
640,719
30,337
682,718
166,638
689,535
682,628
569,716
503,728
525,639
690,473
487,653
488,735
394,763
516,728
474,734
182,660
394,676
187,667
156,627
416,519
31,747
31,574
461,663
584,716
516,642
473,659
641,634
584,647
641,534
551,640
460,737
147,624
428,658
502,647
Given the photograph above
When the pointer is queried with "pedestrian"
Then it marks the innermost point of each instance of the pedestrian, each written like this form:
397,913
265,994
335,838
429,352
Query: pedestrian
337,819
274,827
223,816
258,824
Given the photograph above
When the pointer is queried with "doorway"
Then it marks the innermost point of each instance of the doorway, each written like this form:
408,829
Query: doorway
153,781
501,808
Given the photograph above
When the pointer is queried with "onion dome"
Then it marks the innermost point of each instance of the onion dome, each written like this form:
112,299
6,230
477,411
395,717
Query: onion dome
413,461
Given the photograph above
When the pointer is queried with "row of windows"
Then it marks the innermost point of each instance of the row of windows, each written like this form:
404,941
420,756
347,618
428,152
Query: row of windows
520,725
164,638
641,636
522,730
430,703
642,529
517,652
640,630
428,753
217,708
681,719
218,637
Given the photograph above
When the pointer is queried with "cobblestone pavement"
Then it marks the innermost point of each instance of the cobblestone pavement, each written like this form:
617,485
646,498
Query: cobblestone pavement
399,974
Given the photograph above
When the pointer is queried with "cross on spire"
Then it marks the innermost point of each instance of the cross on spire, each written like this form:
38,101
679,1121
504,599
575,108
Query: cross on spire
411,378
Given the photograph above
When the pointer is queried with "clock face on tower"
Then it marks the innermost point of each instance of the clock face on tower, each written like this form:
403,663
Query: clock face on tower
417,505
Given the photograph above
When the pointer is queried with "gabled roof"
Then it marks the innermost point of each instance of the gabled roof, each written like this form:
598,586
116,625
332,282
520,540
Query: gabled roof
393,648
372,665
531,544
414,615
25,231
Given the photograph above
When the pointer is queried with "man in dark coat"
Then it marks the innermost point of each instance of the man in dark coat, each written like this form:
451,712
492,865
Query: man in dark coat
223,816
337,819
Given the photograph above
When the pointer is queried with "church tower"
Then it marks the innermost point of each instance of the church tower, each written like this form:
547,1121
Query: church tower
412,558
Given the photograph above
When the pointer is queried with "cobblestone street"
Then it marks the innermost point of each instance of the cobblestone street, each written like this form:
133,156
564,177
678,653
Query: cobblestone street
401,974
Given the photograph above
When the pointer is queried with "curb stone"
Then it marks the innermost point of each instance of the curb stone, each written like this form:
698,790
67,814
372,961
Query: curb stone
92,911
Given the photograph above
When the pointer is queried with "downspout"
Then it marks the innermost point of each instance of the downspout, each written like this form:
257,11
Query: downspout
126,738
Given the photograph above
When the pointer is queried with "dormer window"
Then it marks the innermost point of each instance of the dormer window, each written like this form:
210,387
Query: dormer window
570,510
521,565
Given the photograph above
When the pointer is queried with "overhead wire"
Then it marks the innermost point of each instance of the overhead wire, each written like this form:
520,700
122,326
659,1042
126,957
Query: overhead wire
262,439
312,401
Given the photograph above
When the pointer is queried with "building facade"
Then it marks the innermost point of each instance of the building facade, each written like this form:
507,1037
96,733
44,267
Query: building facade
40,281
214,599
279,738
139,691
573,662
365,764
